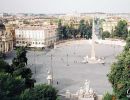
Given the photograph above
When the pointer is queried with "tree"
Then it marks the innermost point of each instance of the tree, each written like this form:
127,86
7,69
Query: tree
119,75
105,34
40,92
2,55
129,33
85,29
5,67
16,82
60,29
68,31
101,26
10,87
14,78
82,28
88,29
19,64
75,32
107,96
121,29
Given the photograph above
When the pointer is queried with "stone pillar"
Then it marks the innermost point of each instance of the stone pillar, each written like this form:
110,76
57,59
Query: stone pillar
2,49
12,45
93,50
5,47
93,41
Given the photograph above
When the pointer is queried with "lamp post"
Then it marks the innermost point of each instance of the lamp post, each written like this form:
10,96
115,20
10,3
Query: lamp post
51,69
67,60
34,62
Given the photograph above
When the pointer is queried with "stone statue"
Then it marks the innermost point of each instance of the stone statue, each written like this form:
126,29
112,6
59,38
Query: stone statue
91,92
85,93
81,92
68,94
49,78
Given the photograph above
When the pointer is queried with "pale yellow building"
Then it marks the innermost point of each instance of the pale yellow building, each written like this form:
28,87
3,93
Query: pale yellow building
110,23
73,19
6,40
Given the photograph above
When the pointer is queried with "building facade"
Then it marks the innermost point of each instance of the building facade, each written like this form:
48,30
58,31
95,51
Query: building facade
36,36
110,23
74,19
6,40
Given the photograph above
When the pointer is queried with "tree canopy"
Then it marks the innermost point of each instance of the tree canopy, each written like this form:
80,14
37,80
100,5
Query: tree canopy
16,81
121,30
40,92
119,75
105,34
84,29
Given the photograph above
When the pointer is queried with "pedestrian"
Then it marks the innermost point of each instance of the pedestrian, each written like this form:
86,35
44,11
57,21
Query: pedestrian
57,82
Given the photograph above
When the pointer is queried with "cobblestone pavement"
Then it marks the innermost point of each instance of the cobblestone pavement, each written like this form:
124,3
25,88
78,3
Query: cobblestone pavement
68,69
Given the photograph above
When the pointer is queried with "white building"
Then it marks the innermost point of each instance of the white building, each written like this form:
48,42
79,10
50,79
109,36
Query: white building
36,36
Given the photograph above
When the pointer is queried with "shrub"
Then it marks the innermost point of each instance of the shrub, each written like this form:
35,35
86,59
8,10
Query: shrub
105,34
40,92
107,96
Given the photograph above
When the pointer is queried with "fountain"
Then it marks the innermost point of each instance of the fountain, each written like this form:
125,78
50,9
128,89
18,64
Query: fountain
93,58
84,93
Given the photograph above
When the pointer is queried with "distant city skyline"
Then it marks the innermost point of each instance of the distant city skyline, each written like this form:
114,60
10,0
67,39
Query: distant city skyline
64,6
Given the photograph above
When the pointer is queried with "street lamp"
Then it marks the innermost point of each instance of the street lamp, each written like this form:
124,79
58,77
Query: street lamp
67,60
51,69
34,62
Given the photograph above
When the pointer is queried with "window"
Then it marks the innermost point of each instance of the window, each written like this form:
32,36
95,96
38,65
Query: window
23,42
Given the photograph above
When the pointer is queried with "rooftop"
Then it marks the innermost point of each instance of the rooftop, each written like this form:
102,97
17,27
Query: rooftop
37,27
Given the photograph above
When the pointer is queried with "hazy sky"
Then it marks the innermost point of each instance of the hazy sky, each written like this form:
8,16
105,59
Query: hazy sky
64,6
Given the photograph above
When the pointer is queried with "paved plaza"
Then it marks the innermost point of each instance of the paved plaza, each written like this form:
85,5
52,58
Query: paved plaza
68,70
